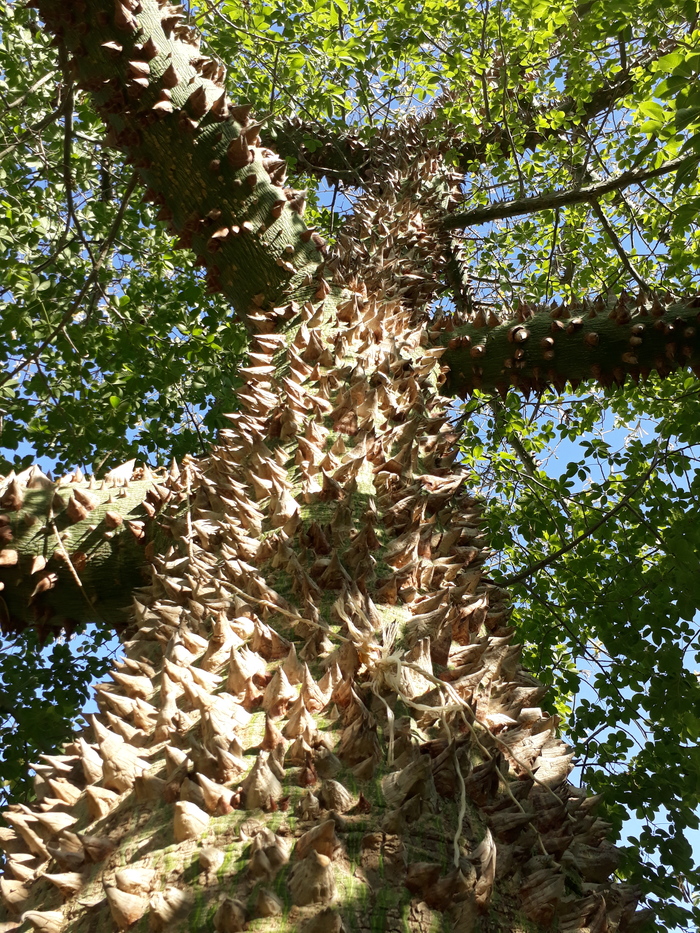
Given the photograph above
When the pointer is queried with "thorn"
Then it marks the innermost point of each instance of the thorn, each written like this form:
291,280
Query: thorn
123,18
162,106
219,109
139,69
137,529
241,113
518,334
169,79
148,508
113,49
298,203
197,102
149,49
112,519
277,209
238,153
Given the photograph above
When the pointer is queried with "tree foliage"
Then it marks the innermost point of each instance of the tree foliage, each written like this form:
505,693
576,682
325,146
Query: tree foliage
112,347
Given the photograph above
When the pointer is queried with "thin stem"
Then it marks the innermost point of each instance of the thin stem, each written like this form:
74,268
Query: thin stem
617,245
584,534
89,281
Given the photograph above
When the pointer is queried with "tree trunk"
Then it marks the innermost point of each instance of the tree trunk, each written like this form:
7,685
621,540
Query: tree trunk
321,722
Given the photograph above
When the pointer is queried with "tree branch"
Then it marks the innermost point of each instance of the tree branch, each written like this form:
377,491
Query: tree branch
528,571
18,101
109,525
543,348
166,107
512,438
344,157
544,202
36,128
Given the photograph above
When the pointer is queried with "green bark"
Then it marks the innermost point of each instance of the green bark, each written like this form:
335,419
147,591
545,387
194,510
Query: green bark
201,160
53,535
573,345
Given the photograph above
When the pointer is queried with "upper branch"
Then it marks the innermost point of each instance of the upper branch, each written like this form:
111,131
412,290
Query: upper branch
553,199
201,158
343,156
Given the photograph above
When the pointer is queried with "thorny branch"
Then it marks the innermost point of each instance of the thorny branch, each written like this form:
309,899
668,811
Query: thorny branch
345,157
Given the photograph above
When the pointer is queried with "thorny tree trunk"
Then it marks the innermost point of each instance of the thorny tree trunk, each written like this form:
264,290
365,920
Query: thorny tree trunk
321,722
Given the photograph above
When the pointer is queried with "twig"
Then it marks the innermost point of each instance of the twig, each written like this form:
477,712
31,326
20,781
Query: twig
584,534
555,234
35,87
74,572
618,247
92,277
498,409
68,176
35,128
462,804
332,207
62,244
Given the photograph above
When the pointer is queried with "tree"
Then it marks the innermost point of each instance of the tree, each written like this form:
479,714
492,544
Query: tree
331,524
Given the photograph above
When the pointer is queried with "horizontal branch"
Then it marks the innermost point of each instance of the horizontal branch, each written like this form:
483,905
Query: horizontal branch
72,551
572,345
544,202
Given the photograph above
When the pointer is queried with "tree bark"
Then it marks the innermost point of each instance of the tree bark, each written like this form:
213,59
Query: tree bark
73,550
591,341
321,722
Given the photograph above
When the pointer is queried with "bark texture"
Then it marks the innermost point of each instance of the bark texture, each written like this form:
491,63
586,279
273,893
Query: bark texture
320,722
